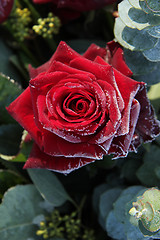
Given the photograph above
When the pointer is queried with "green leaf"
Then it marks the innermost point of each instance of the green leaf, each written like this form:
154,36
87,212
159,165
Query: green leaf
10,138
20,205
96,195
9,91
118,30
49,186
8,179
138,64
148,233
150,78
133,39
125,197
140,40
135,4
128,15
146,7
109,197
5,65
133,232
114,228
153,54
146,173
153,5
154,31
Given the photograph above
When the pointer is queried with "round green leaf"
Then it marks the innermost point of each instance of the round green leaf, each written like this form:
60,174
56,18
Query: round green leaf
153,54
114,228
20,205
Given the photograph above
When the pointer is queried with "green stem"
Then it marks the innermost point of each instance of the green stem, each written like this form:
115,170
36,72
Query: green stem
81,206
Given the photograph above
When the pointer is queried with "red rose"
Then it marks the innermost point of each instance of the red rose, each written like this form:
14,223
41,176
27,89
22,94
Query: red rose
69,9
78,110
5,9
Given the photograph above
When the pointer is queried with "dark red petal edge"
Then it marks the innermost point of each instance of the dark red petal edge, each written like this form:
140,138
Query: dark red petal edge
38,159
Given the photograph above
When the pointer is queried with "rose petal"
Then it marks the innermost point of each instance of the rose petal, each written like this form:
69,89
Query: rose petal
101,71
56,146
120,145
93,51
148,127
22,111
39,159
117,58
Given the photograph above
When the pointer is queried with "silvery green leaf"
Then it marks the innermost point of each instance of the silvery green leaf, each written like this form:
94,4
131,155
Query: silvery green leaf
142,19
150,78
134,60
110,197
146,7
118,30
49,186
153,5
155,31
133,39
17,210
153,54
140,40
114,228
135,4
128,15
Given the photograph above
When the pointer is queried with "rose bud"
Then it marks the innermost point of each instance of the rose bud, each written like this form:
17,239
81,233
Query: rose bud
79,108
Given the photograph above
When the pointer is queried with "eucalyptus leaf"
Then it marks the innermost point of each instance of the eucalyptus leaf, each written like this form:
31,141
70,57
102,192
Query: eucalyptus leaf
118,30
135,3
133,232
142,18
96,196
125,197
153,5
153,54
133,39
155,31
106,201
128,15
146,173
138,64
146,7
140,40
150,78
19,207
49,186
114,228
